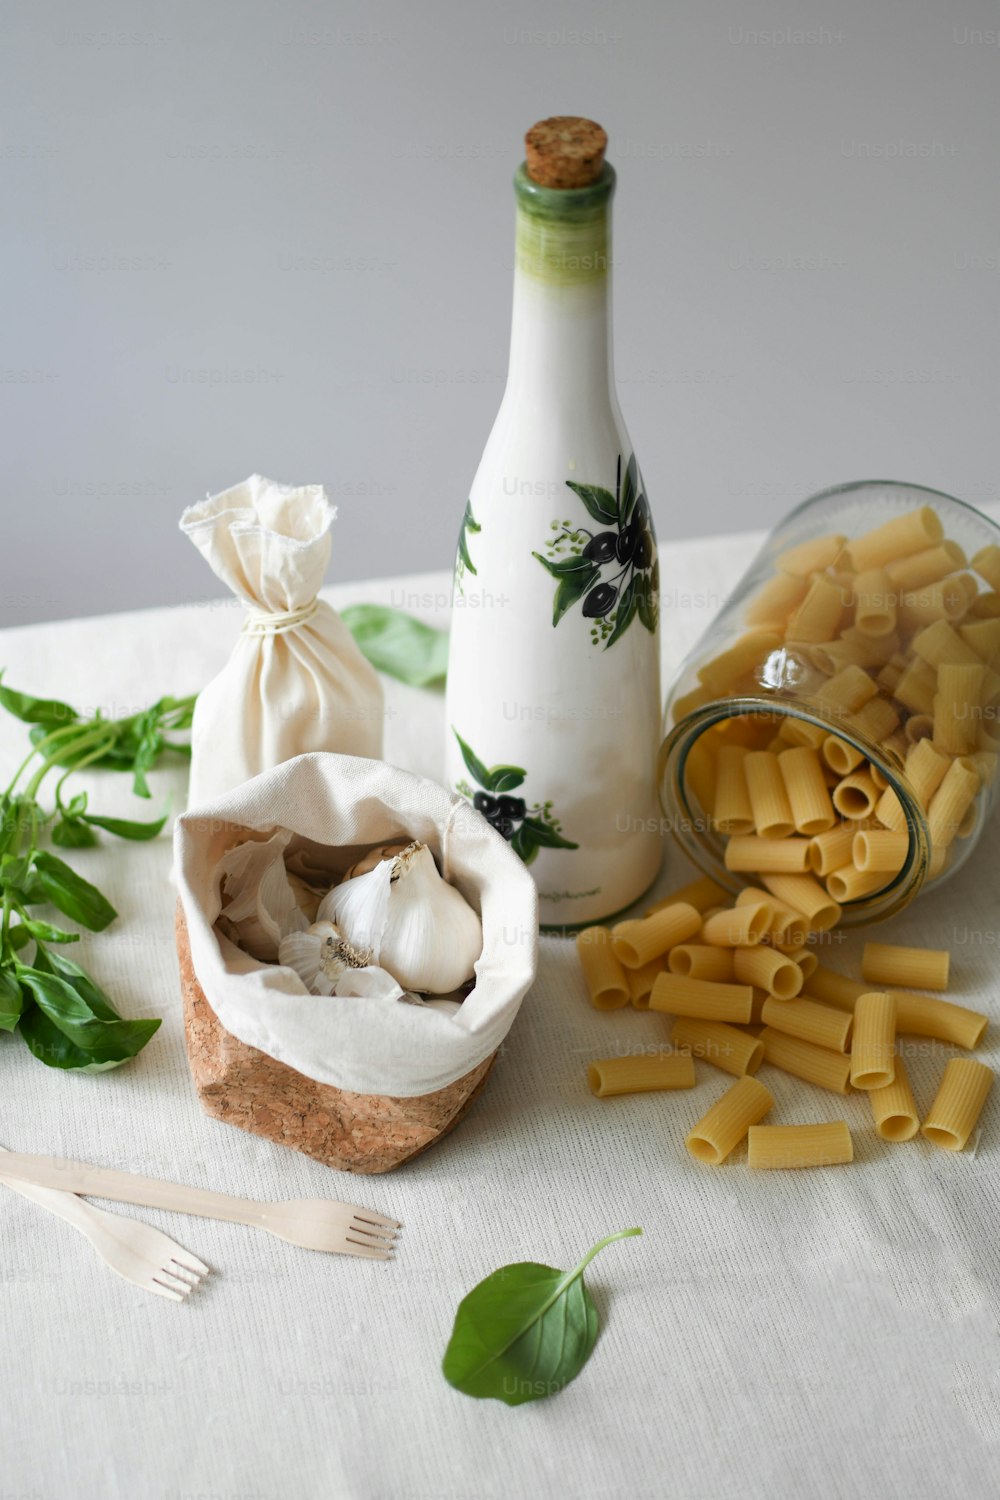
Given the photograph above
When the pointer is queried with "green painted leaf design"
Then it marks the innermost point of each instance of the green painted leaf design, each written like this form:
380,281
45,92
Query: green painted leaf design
564,567
469,527
545,836
627,607
648,603
629,492
504,778
477,770
575,574
525,1332
600,503
523,844
398,644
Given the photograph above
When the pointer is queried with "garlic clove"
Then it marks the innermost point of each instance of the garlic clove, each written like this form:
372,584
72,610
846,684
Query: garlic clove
375,857
420,929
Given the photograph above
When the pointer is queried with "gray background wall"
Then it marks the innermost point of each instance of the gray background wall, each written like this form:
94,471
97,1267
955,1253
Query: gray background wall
246,236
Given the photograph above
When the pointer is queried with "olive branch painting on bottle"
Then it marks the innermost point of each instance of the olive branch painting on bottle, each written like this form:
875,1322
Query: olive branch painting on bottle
463,562
526,828
615,570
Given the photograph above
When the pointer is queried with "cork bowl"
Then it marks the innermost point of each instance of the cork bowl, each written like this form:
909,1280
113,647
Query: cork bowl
366,1133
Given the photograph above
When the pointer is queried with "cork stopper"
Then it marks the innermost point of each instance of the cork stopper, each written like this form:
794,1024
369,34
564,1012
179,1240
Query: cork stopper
565,152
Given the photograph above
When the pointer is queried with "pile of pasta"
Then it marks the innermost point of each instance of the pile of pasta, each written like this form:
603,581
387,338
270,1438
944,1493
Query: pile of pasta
889,637
744,986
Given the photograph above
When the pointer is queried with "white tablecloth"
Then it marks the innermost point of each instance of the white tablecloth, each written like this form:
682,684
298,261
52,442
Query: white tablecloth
826,1333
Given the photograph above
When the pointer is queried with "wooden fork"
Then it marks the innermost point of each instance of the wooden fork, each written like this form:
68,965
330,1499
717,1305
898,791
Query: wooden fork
143,1255
313,1223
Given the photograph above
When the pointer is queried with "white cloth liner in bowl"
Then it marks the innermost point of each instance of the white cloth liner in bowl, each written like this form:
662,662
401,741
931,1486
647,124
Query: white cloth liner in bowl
338,806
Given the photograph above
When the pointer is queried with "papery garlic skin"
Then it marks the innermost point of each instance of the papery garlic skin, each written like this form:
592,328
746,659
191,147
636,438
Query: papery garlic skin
419,928
328,965
258,903
375,857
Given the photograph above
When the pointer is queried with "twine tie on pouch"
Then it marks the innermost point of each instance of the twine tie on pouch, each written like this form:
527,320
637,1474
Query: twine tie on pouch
261,622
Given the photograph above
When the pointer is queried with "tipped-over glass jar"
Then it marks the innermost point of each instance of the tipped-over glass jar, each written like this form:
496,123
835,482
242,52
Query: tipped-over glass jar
838,725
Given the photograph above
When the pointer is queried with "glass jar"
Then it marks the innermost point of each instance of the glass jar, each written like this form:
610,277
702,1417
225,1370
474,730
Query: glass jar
867,625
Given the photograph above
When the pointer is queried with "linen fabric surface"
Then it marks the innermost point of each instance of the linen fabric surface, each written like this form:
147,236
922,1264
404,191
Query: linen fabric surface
345,805
296,679
772,1336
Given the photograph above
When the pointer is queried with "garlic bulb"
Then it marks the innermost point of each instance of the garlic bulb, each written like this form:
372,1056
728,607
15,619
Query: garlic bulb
327,965
418,928
375,857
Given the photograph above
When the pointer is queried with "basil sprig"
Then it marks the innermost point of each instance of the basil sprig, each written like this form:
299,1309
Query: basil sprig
399,644
524,1332
62,1015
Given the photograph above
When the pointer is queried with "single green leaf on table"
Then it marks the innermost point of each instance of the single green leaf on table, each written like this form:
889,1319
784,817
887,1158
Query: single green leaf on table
70,833
11,1001
398,644
600,503
46,711
124,829
72,894
525,1332
97,1037
44,932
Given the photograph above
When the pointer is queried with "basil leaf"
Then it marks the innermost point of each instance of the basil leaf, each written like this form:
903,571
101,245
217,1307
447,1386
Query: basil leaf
72,894
47,711
48,1044
96,1038
44,932
11,1001
525,1332
398,644
79,980
70,833
18,937
124,829
599,502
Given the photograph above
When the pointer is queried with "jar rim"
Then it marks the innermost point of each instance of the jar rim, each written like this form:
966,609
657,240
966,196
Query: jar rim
890,484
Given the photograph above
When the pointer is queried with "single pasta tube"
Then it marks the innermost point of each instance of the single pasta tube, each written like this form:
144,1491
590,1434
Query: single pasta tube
842,696
774,602
878,648
835,989
817,618
810,1022
636,943
749,852
807,896
940,644
732,813
641,981
808,797
925,769
723,1046
890,811
873,1060
818,1065
851,884
926,567
918,727
727,1122
840,756
880,849
896,967
893,1108
829,851
780,1146
772,814
985,606
987,564
982,637
640,1074
704,999
951,801
948,599
805,958
856,795
737,926
926,1015
958,1103
701,894
875,599
701,961
604,975
915,687
957,707
901,537
751,650
774,972
812,556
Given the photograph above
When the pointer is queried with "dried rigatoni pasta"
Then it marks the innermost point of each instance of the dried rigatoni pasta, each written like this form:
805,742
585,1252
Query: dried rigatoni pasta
952,801
925,567
875,599
987,564
927,1015
772,814
835,989
957,707
912,532
958,1103
893,1108
940,645
816,619
856,795
810,1022
780,1146
641,981
915,688
732,812
829,851
775,600
818,1065
880,849
752,853
806,790
701,894
812,556
749,651
726,1124
723,1046
807,896
638,942
893,967
852,884
605,977
873,1045
705,999
641,1074
890,812
738,926
701,961
768,970
805,958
